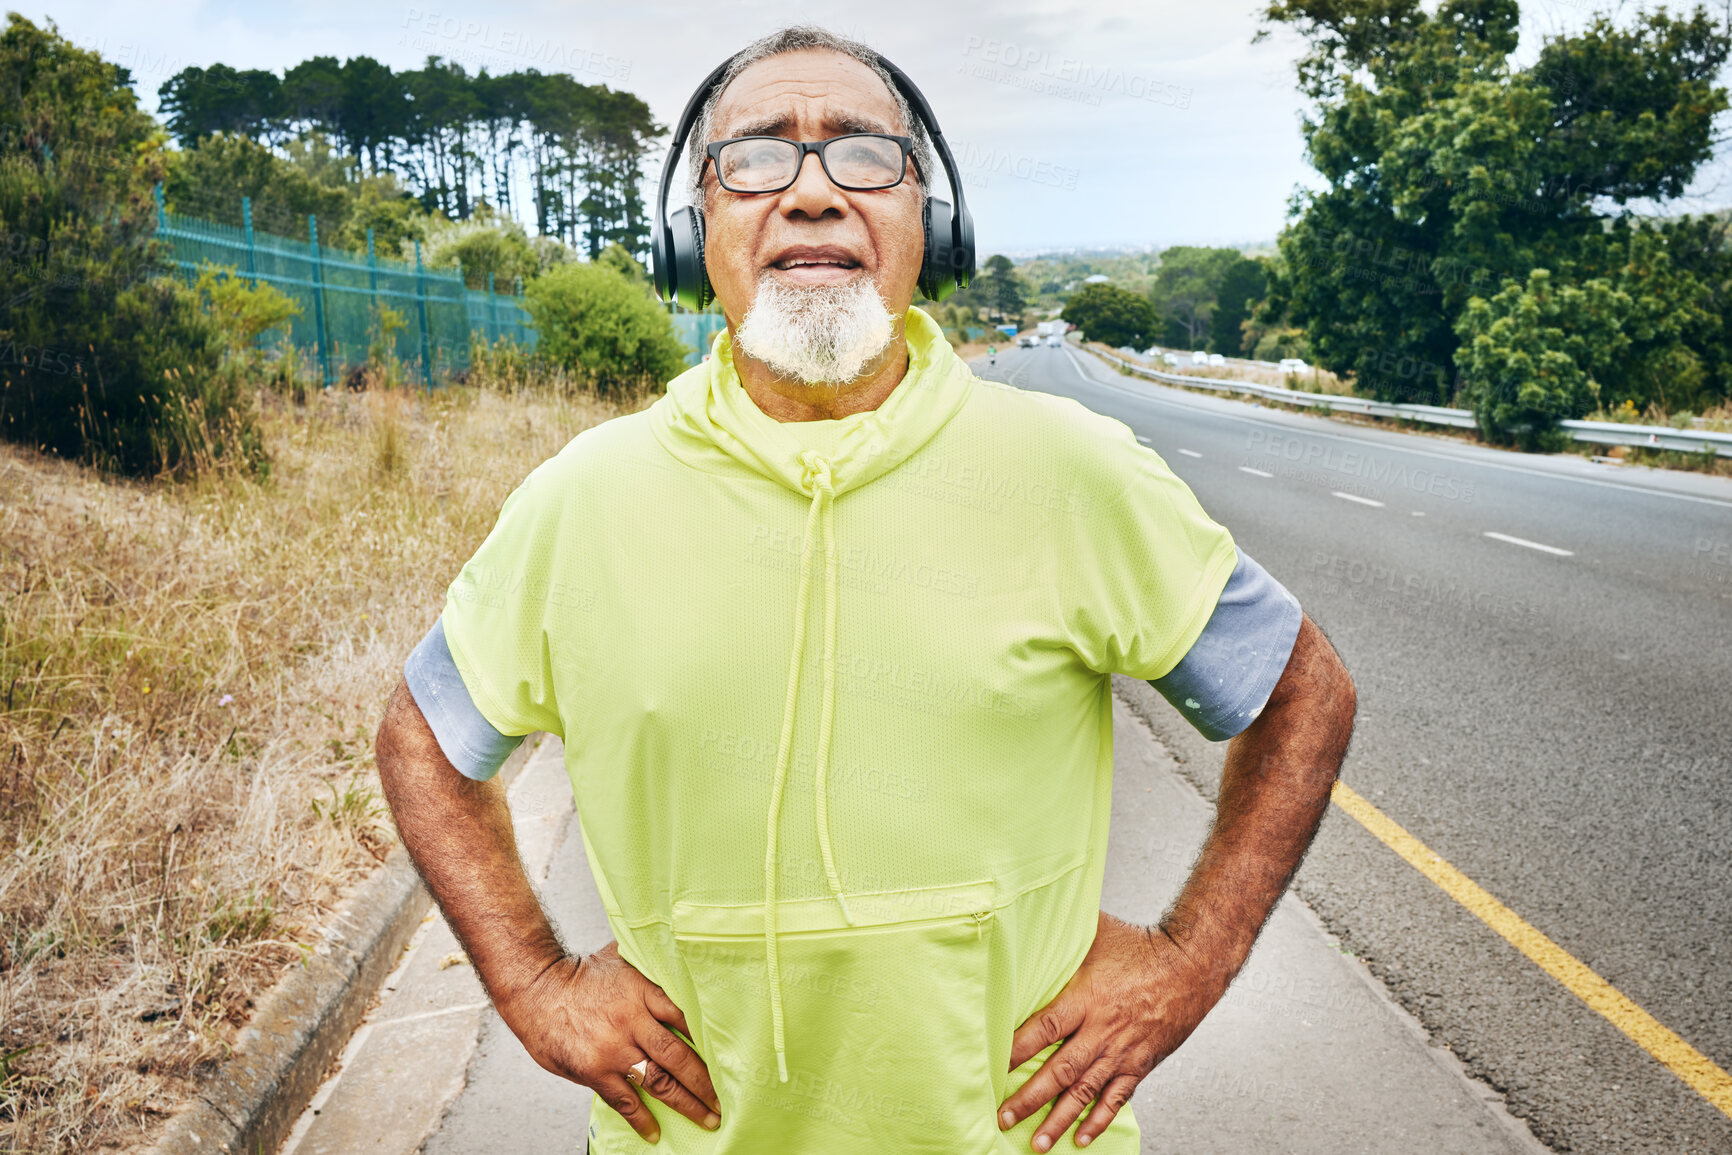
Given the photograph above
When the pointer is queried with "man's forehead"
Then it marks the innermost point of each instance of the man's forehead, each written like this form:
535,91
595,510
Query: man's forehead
828,85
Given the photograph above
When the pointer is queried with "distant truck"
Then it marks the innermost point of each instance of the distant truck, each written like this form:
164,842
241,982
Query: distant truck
1052,328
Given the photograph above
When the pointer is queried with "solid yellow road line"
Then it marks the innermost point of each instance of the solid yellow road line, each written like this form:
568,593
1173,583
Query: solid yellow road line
1647,1032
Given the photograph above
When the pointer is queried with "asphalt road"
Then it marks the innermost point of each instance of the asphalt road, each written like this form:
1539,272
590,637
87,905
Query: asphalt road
1554,725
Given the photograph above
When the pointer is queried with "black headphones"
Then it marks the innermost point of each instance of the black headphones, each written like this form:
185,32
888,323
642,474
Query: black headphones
678,238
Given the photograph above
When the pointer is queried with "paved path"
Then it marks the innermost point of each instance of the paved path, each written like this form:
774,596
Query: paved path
1306,1055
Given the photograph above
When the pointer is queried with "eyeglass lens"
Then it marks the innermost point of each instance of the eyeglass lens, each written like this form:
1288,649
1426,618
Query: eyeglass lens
760,164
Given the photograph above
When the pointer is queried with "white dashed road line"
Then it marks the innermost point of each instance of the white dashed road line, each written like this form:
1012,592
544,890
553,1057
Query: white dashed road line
1190,453
1143,439
1355,497
1530,544
1254,472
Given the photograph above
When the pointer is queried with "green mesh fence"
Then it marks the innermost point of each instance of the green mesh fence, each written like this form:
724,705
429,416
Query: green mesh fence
341,295
697,330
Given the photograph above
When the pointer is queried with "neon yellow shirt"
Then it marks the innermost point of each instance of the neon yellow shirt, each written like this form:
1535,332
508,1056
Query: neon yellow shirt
855,675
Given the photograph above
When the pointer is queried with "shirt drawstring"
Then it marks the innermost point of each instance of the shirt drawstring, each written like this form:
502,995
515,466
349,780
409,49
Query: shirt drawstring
820,519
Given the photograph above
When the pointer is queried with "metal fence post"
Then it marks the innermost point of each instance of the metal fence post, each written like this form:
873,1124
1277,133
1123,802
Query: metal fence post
372,271
492,313
319,298
252,252
374,319
161,213
421,299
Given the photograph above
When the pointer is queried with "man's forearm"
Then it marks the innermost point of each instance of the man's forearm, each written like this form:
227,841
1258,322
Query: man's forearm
459,834
1274,789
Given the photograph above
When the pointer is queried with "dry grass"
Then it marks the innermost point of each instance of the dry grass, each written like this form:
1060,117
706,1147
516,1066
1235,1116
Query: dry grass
1717,419
189,680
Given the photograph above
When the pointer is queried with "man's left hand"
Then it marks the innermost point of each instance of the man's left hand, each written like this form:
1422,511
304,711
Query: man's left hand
1135,998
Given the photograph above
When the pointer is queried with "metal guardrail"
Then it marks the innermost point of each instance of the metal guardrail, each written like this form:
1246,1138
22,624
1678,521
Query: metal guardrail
1591,432
1650,436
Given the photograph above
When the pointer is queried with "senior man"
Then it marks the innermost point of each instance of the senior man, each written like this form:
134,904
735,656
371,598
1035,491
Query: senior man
828,632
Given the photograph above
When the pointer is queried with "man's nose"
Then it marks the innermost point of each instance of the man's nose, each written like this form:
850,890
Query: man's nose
812,194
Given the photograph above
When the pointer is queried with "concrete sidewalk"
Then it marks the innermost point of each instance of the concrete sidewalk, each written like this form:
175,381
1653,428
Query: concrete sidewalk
1307,1054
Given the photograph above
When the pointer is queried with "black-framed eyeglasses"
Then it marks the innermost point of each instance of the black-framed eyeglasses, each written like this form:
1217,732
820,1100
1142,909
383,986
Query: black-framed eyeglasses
859,161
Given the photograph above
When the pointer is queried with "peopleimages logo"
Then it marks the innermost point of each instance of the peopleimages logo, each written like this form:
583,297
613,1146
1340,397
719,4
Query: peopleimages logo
1064,76
456,37
1378,471
40,358
985,163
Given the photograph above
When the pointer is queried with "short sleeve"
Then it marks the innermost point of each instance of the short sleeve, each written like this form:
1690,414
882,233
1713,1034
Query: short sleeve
1224,680
468,739
502,611
1149,564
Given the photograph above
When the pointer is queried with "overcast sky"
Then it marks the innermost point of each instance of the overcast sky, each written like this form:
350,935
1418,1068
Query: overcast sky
1077,122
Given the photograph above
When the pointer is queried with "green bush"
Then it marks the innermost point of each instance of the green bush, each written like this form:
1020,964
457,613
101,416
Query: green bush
1529,352
594,322
485,243
103,356
243,310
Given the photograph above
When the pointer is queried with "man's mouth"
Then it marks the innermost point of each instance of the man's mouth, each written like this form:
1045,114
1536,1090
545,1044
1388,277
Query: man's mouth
815,266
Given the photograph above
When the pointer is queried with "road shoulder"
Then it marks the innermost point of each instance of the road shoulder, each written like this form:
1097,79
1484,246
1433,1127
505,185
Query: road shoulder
407,1060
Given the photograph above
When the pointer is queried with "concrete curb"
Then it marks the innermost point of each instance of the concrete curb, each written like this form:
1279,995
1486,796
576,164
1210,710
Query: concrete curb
252,1101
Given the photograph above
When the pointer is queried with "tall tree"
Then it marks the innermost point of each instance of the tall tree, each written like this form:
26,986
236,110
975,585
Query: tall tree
312,97
200,101
370,109
1451,170
1187,288
1001,288
459,141
1242,285
612,138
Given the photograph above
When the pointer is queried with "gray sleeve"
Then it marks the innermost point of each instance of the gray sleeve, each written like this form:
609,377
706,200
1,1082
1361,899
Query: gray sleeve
467,738
1223,682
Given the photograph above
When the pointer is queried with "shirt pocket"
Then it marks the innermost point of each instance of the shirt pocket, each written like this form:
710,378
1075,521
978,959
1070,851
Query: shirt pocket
885,1021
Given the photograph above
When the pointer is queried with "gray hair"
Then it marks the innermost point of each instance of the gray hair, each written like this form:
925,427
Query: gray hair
799,38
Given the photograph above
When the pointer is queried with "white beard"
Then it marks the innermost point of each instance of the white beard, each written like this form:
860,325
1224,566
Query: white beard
817,334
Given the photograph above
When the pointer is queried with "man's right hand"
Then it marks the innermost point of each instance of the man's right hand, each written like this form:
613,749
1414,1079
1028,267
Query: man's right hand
590,1019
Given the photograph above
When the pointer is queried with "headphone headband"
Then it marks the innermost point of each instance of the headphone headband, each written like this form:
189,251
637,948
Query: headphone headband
677,245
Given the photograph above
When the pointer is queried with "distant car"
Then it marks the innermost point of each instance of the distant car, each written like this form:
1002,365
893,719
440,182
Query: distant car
1025,342
1217,359
1170,358
1128,351
1293,365
1053,341
1199,358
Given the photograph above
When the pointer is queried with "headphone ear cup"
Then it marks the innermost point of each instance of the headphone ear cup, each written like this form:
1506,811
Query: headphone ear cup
937,275
690,284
